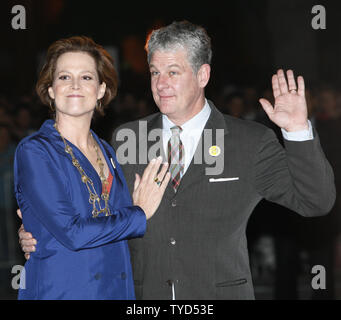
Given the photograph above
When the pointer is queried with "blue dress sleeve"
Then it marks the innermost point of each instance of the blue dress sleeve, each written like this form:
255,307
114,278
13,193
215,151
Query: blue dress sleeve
42,185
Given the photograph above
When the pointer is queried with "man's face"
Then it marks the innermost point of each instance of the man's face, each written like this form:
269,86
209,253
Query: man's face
177,91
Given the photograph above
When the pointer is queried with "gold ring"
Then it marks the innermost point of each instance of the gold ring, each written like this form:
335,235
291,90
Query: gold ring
158,182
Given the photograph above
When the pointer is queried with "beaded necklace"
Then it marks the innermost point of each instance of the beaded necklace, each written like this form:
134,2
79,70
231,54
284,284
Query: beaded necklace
93,196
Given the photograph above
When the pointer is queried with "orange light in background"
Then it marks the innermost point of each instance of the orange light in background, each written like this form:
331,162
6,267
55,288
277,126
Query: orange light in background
52,9
134,54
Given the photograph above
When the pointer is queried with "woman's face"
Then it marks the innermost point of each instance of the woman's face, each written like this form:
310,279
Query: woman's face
76,86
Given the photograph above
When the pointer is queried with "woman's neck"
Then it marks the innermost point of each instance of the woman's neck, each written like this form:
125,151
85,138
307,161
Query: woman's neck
76,130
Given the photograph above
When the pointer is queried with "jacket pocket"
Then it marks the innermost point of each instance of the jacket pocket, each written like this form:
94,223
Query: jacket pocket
231,283
223,179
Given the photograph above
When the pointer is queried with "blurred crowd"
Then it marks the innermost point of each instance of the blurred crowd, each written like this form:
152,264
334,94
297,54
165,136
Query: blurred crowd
281,243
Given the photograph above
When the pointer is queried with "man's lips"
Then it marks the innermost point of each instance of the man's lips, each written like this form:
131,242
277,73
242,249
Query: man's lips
75,96
165,97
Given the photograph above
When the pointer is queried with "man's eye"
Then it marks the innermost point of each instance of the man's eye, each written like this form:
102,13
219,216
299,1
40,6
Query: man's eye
172,73
154,73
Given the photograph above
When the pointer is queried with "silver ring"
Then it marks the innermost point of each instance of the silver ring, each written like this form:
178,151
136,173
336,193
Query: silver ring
293,90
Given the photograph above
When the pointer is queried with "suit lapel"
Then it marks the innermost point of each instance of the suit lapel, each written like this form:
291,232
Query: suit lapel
197,168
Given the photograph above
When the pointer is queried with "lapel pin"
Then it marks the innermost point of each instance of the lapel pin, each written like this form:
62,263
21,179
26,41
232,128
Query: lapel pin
214,151
113,163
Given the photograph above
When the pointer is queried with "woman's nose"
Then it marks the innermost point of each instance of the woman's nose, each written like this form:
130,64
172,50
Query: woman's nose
75,84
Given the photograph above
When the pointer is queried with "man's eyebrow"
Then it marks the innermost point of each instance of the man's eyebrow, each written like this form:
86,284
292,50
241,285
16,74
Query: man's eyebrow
170,66
175,65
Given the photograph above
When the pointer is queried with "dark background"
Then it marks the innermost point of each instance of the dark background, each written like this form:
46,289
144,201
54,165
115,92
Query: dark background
250,41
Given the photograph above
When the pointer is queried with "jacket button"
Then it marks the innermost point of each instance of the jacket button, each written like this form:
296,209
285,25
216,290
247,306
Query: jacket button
172,241
173,203
98,276
123,276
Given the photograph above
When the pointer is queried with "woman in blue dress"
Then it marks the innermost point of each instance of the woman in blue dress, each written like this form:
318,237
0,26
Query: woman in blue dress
70,187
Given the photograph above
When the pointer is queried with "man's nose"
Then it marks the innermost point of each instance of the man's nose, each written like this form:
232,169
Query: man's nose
162,82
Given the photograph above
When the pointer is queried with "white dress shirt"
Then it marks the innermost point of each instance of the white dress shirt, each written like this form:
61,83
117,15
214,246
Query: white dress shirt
190,134
302,135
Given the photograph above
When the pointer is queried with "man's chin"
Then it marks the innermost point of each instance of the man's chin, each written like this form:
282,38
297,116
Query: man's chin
166,108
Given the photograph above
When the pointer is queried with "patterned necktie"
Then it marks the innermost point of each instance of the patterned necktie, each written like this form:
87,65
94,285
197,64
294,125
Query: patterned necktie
176,157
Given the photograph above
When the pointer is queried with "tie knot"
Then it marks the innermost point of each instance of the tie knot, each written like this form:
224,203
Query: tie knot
176,130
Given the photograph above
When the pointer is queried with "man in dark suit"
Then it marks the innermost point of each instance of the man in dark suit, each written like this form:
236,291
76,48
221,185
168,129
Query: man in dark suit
195,246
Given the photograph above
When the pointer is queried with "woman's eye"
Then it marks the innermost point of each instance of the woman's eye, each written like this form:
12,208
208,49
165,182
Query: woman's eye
64,77
87,78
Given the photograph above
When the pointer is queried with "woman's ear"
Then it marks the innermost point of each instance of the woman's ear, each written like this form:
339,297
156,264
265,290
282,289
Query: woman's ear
101,91
51,93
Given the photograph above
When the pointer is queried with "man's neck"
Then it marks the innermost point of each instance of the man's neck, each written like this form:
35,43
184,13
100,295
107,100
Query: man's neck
180,120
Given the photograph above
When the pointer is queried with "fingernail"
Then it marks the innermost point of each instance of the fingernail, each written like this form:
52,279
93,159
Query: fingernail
153,160
159,158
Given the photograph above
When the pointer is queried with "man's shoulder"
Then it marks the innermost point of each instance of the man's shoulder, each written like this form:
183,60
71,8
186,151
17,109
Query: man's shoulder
134,125
249,127
237,125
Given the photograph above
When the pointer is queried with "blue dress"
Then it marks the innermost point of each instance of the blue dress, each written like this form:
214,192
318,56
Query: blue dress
77,256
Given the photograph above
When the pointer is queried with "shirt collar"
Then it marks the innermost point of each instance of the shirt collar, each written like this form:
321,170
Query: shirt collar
192,124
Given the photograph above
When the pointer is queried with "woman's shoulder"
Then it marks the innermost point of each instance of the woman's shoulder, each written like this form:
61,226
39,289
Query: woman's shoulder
34,140
39,141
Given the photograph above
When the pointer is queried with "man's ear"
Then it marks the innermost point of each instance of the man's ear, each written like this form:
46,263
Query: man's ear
204,75
101,91
51,93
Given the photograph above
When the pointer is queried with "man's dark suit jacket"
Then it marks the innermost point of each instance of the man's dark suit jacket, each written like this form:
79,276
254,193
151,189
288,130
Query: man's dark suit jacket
196,240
